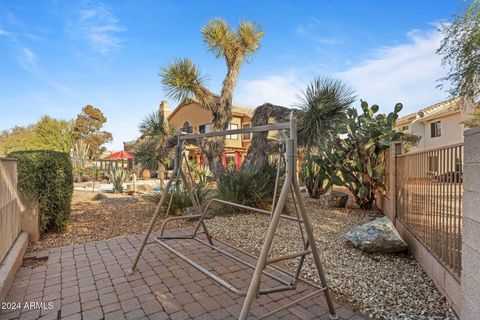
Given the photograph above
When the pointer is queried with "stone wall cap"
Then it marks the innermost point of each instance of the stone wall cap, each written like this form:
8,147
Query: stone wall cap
471,131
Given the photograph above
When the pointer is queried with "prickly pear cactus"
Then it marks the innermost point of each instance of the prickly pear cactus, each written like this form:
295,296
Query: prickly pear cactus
360,156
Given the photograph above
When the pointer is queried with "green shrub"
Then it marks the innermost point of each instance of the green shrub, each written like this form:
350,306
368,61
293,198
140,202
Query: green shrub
180,198
46,177
83,174
248,188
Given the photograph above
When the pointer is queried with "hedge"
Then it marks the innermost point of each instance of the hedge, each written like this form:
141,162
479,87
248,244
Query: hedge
47,177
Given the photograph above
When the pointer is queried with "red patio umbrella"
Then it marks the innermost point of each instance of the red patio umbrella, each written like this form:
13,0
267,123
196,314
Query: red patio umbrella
120,155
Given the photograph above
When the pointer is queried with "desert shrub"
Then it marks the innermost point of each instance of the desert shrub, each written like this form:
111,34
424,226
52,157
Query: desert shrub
46,177
99,197
83,174
247,187
118,178
180,197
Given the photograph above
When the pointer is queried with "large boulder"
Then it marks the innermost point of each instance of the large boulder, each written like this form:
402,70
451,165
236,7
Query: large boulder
377,236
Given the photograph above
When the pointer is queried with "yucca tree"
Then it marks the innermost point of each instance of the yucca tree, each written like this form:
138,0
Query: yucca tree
321,116
323,105
152,150
182,79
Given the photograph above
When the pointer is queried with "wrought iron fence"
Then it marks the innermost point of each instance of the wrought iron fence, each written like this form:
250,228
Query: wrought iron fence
429,201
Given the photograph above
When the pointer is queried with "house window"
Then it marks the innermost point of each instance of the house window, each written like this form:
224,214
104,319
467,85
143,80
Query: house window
232,126
433,163
404,128
247,136
436,129
186,127
205,128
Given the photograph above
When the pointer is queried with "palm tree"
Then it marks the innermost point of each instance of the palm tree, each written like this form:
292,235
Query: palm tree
152,150
182,79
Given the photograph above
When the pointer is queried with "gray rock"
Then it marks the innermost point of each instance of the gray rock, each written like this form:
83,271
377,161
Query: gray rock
338,199
377,236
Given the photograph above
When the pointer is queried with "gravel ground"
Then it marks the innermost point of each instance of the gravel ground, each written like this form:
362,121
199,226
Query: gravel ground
391,286
104,219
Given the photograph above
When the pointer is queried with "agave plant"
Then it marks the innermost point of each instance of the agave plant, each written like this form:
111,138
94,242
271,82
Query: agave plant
118,178
180,199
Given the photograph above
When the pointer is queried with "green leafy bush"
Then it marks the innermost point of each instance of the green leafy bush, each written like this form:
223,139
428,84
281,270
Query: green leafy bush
46,177
180,197
83,174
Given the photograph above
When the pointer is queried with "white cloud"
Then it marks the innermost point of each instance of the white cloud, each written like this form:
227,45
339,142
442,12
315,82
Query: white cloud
98,26
281,90
28,59
4,33
406,73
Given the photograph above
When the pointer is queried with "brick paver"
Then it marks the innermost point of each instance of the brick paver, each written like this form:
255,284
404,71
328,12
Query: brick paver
90,281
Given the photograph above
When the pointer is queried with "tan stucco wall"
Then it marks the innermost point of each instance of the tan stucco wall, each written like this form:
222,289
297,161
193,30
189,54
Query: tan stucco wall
452,131
196,115
470,309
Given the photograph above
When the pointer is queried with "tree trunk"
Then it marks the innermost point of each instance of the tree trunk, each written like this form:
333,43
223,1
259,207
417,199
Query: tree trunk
257,155
161,173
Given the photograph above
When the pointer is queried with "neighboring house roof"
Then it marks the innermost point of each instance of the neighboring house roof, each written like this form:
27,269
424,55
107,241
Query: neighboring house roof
438,109
237,110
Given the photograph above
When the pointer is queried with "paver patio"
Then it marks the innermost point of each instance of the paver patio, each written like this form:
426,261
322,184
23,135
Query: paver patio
90,281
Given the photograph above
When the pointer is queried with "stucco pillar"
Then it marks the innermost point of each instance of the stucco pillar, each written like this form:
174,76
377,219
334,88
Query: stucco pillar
470,278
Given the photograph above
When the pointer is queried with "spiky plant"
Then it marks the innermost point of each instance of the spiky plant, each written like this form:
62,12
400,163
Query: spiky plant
321,115
323,106
182,79
118,178
180,199
152,151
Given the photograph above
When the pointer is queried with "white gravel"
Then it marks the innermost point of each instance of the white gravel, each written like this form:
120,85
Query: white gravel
390,286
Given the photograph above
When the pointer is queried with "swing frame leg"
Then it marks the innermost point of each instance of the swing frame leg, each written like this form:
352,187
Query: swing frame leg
157,212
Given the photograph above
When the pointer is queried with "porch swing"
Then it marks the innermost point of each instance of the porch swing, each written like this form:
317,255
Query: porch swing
288,156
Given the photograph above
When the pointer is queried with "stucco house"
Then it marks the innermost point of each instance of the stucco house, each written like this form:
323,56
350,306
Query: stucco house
438,125
192,117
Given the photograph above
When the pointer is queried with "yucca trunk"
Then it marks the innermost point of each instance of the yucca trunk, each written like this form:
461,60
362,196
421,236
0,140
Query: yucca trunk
222,114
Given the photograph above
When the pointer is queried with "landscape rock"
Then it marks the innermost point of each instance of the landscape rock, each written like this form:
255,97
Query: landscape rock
377,236
338,199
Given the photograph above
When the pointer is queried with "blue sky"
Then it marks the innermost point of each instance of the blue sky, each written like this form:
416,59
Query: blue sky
57,56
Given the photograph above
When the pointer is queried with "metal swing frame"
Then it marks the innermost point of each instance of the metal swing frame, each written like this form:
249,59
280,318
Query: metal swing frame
290,184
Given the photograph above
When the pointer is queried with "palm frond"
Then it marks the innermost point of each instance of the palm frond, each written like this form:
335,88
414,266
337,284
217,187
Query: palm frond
154,124
181,79
153,148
